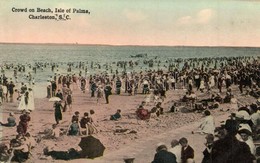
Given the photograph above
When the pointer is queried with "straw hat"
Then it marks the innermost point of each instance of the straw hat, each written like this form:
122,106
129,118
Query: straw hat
242,114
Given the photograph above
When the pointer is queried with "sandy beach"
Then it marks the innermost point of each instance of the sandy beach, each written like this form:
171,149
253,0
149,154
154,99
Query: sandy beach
140,139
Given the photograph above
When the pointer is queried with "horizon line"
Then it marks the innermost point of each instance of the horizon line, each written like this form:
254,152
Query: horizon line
80,44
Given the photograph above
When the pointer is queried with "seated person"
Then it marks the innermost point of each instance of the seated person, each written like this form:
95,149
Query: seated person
174,107
186,97
116,116
74,128
158,110
218,98
142,113
192,96
159,107
75,117
227,98
21,151
10,121
255,92
86,125
54,132
5,153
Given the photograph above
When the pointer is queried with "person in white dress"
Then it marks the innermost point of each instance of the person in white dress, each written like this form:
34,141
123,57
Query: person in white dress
27,101
202,85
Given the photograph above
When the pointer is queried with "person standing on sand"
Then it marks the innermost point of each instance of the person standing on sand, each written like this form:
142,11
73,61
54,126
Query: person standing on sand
53,87
57,112
69,101
11,90
107,92
23,124
118,86
93,88
99,93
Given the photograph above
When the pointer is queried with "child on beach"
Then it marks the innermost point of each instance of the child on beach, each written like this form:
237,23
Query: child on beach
116,116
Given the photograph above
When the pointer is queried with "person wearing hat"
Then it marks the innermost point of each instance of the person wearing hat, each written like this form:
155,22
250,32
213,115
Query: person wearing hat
10,121
229,148
163,156
245,134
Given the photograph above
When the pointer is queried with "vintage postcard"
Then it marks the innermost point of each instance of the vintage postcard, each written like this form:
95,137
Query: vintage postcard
117,81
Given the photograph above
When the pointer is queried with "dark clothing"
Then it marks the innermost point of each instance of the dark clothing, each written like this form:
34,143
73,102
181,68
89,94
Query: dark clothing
75,118
20,156
57,113
69,99
63,155
118,86
164,156
186,154
11,88
207,155
108,92
93,89
115,116
84,121
230,150
59,94
23,124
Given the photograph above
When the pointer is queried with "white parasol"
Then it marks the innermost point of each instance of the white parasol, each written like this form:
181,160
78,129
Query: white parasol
54,99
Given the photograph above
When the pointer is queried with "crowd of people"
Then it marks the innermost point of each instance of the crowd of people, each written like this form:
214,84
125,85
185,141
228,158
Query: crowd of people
194,76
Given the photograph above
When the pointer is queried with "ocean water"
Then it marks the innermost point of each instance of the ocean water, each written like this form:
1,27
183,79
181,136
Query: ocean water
106,56
29,53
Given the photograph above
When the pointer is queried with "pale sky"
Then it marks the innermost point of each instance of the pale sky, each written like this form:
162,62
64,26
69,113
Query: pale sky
136,22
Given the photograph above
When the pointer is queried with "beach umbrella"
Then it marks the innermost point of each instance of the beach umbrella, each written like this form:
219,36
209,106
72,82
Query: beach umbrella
54,99
91,147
